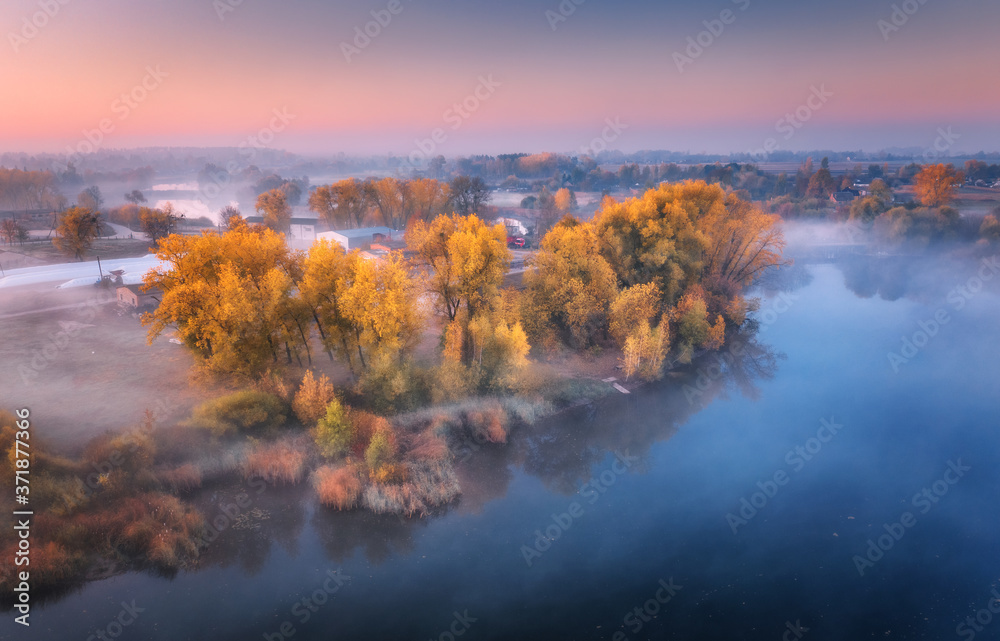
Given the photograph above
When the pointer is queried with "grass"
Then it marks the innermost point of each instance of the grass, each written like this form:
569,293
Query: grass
429,486
338,487
185,478
245,411
280,462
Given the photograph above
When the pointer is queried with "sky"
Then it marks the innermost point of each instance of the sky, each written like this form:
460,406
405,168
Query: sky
454,77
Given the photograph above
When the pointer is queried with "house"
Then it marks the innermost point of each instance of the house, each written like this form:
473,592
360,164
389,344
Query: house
299,228
515,226
132,297
359,238
845,196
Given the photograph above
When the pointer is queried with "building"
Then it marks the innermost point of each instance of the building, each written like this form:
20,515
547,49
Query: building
132,297
845,196
359,238
299,228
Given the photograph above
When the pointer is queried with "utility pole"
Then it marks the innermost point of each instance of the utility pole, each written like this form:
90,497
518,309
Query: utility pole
100,269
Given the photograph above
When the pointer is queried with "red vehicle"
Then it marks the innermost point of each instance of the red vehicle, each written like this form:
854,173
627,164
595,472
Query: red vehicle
515,241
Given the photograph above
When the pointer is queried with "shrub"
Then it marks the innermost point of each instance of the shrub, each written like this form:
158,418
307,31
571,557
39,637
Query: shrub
428,485
338,487
241,411
312,398
488,423
334,433
182,479
381,450
275,462
364,425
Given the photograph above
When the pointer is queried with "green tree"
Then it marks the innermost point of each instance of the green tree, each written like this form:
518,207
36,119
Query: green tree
334,431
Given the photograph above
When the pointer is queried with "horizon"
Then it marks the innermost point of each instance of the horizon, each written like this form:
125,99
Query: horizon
525,77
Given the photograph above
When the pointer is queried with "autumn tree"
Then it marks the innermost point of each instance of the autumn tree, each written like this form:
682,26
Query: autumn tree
135,197
77,229
429,198
989,230
469,195
230,217
570,287
273,206
312,398
90,198
391,199
565,200
227,295
936,184
343,205
463,260
633,307
12,230
743,241
645,351
158,223
366,311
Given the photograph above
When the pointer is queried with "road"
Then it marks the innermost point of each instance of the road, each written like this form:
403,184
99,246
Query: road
77,274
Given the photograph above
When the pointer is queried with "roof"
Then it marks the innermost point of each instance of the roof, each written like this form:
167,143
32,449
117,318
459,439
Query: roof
259,220
137,290
363,232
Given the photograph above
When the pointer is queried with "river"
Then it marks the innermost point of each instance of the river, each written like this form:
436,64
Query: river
811,487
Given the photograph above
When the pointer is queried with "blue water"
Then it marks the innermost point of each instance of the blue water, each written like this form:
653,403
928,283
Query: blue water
787,572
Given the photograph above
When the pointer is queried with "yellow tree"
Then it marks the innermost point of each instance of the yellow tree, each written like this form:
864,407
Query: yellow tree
158,223
743,241
78,227
428,198
273,206
633,306
463,260
935,184
390,197
656,238
344,204
226,295
327,272
380,304
645,350
565,200
570,287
